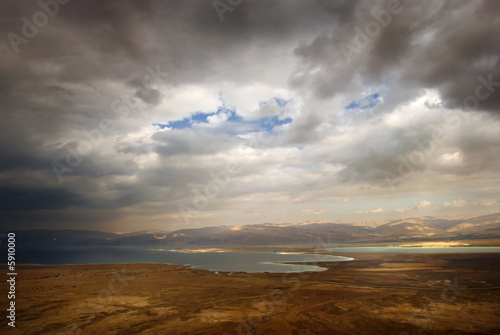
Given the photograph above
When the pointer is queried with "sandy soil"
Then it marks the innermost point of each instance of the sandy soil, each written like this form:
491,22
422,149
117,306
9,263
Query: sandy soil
374,294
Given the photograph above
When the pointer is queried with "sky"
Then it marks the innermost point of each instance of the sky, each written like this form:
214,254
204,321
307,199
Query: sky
141,115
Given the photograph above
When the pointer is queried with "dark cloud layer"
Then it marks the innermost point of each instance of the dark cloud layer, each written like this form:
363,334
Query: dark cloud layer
16,199
85,89
447,50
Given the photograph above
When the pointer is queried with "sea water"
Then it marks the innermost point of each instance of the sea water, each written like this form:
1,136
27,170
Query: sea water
215,261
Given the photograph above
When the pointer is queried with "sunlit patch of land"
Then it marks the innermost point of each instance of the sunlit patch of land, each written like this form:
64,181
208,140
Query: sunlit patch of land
196,250
435,244
483,242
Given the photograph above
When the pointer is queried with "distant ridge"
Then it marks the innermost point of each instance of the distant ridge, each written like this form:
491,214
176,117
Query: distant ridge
311,232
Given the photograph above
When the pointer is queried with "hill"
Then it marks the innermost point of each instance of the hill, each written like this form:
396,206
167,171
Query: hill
409,229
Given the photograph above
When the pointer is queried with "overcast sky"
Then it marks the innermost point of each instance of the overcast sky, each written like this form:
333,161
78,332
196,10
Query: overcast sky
124,116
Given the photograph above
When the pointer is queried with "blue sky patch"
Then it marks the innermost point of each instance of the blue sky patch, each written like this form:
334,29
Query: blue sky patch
280,102
268,123
233,121
364,103
187,122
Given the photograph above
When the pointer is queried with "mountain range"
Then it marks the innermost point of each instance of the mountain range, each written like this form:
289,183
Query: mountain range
409,229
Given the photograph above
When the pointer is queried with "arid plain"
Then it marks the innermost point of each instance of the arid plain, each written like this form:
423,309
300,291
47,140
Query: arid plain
379,293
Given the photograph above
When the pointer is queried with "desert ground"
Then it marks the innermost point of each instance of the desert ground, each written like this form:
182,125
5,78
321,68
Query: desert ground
373,294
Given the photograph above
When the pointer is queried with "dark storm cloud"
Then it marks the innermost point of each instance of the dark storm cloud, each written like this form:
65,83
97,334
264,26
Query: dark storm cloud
149,95
370,159
136,148
462,49
17,199
55,87
444,46
69,218
177,142
60,86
